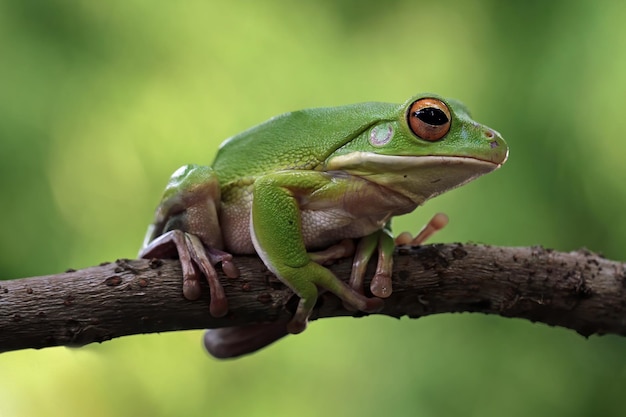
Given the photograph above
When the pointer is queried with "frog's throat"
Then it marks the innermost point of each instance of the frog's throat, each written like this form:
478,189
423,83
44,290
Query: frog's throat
416,177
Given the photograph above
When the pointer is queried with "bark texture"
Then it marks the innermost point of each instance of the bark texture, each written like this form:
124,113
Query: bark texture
577,290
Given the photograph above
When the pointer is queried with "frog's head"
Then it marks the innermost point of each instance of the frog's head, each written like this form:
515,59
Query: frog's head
426,147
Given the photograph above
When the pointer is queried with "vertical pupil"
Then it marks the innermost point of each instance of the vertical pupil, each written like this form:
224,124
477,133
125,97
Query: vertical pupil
432,116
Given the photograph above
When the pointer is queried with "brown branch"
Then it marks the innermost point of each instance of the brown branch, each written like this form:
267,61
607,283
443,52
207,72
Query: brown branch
577,290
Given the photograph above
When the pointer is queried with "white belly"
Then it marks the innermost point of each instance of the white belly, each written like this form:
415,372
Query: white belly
320,228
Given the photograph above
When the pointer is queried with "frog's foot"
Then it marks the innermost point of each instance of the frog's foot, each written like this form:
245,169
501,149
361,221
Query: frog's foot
381,281
326,280
193,255
438,222
342,249
382,241
356,302
230,342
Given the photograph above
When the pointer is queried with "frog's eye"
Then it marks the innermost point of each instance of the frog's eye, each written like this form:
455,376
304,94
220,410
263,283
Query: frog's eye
429,119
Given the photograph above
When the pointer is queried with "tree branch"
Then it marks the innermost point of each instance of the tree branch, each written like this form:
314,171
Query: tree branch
577,290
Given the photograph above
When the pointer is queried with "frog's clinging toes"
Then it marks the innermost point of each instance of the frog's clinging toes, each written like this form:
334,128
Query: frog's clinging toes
298,188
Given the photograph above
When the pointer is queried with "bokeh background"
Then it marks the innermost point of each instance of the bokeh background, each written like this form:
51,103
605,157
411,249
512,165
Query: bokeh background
100,101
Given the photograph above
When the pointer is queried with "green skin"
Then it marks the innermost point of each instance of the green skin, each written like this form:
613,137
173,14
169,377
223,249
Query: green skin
306,181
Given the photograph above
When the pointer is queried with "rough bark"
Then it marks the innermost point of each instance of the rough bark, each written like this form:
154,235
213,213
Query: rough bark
577,290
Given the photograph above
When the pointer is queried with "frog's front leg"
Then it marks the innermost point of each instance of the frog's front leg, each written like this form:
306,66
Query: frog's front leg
436,223
384,242
276,231
186,225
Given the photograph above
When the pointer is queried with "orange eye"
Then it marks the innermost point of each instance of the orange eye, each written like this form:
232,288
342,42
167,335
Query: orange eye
429,119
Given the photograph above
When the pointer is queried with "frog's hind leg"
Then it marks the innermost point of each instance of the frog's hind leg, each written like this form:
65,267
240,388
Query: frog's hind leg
323,278
187,225
277,238
230,342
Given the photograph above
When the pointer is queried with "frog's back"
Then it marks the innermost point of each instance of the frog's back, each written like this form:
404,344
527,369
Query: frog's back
299,140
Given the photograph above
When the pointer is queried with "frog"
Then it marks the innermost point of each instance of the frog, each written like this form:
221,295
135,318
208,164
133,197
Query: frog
308,187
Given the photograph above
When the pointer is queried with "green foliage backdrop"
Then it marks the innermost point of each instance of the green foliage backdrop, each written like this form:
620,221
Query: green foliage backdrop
101,101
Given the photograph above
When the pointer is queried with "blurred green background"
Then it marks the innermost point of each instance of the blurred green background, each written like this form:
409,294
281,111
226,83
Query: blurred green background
101,101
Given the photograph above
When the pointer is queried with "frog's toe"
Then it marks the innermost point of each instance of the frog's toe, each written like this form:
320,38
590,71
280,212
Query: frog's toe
191,288
381,285
297,325
438,222
404,239
353,300
342,249
226,259
174,244
195,260
372,305
307,291
230,269
219,304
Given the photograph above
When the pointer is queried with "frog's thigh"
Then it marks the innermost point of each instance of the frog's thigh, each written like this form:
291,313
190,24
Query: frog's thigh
277,237
195,188
275,222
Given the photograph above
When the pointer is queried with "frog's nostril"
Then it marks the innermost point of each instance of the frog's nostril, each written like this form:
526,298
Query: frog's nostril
489,133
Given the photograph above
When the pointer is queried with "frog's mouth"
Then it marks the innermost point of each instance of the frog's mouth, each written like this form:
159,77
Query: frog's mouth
416,177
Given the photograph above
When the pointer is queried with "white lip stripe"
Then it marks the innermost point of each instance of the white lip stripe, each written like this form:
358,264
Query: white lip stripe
398,162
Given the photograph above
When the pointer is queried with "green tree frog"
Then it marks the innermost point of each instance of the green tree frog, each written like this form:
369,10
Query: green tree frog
299,188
